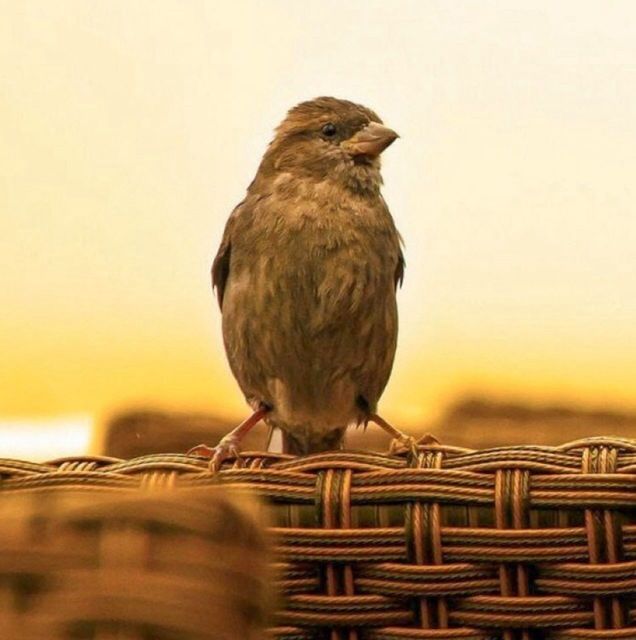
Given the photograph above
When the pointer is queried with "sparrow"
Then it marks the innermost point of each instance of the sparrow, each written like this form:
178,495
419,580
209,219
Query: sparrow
306,278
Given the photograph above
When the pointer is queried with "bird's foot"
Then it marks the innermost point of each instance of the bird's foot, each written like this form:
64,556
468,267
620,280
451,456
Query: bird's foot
227,448
400,442
403,444
408,444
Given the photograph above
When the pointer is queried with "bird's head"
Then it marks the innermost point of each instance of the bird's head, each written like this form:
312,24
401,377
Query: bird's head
330,139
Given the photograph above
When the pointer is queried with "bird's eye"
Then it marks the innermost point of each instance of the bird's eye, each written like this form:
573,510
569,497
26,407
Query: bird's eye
329,130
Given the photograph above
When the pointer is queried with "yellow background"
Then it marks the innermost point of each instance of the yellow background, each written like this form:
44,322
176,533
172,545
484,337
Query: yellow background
128,131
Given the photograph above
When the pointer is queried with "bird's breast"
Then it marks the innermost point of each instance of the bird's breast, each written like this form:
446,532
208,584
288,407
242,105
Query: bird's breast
318,250
310,304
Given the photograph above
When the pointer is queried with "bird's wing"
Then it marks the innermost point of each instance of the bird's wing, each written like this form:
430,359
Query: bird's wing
398,276
399,269
239,222
221,264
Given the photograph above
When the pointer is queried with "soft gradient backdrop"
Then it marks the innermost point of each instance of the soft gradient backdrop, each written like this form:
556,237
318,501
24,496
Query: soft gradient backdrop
128,131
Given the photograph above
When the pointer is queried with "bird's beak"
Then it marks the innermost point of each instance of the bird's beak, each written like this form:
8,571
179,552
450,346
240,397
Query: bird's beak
370,141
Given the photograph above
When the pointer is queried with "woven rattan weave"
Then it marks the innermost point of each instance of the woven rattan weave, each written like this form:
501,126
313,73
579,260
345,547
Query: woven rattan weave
511,543
132,565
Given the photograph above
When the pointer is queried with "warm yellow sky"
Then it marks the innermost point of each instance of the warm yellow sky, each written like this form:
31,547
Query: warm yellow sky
128,131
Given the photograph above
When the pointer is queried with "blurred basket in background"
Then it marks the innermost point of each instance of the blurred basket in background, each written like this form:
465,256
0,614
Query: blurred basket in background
469,422
484,423
80,562
513,543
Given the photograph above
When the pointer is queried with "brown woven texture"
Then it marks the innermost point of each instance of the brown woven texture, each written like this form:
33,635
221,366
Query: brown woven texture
134,565
507,543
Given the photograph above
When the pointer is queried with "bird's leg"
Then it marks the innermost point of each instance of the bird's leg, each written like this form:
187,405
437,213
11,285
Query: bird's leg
229,444
401,440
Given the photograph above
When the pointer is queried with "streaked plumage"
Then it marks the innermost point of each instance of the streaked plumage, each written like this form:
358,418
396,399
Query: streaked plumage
306,276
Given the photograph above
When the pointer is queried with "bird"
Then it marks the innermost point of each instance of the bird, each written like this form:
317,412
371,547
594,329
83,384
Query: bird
306,277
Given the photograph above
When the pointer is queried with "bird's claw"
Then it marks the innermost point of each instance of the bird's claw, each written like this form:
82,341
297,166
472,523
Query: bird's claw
201,450
408,444
403,444
227,448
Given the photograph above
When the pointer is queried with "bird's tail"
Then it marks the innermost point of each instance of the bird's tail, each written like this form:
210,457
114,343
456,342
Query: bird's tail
280,441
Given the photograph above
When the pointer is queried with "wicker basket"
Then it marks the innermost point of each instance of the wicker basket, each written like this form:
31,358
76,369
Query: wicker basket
511,543
82,563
